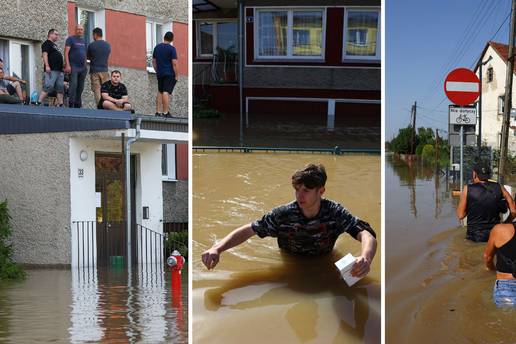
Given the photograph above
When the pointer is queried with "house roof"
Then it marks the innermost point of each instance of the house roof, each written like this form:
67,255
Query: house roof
501,49
18,119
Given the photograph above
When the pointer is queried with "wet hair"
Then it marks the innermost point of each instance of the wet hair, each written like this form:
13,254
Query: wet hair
116,71
51,31
482,170
97,31
169,36
311,176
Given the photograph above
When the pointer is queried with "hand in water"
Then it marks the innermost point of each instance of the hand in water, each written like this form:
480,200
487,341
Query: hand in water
361,267
210,258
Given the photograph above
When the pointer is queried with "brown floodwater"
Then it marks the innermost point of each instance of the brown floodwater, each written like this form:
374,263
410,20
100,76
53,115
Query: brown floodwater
94,306
437,290
258,295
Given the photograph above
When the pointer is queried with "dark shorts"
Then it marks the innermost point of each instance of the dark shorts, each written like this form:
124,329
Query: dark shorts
11,89
166,84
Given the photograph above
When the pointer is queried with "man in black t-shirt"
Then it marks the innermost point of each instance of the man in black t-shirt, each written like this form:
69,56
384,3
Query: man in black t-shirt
53,77
308,226
114,94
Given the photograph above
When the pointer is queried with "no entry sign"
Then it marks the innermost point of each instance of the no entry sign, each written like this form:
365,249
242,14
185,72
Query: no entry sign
462,86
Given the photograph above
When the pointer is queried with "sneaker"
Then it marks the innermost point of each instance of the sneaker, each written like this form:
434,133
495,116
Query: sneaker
167,115
37,103
158,114
60,105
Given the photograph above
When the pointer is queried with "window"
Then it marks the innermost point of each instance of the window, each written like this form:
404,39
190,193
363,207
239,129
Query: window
154,35
217,37
362,34
501,101
86,18
489,74
290,34
168,162
18,61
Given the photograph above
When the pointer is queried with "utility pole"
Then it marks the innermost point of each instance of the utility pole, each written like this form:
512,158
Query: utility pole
437,151
412,141
508,98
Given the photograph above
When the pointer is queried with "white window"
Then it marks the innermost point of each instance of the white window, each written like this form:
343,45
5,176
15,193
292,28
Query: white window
501,101
86,18
18,58
154,35
217,37
289,33
362,34
168,162
490,74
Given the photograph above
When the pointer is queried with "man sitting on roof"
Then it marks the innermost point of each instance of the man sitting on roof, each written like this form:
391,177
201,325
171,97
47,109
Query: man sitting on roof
13,84
114,94
5,96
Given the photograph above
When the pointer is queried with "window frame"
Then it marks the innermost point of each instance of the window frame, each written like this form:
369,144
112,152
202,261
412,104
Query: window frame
489,74
171,164
378,55
215,23
290,34
501,103
164,29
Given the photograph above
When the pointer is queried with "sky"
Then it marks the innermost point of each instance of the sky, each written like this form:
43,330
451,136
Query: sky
424,41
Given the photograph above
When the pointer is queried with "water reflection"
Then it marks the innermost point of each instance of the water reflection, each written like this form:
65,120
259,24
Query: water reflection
110,305
437,285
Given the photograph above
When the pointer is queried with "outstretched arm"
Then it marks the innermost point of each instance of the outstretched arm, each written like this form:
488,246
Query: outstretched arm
461,208
363,262
210,257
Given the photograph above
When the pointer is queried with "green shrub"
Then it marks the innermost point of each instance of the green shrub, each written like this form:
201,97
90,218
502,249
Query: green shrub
428,152
8,269
177,241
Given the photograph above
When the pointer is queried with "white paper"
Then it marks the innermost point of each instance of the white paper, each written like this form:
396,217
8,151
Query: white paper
345,264
98,199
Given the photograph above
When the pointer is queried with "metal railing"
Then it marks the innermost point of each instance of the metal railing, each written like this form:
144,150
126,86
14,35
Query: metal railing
334,151
149,245
84,242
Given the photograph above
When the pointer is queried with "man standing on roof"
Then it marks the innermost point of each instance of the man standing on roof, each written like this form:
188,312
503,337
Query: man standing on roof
53,76
308,226
164,61
75,64
98,54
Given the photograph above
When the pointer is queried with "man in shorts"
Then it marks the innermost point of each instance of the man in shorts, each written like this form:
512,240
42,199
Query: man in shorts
308,226
12,84
98,54
5,97
114,94
53,77
164,61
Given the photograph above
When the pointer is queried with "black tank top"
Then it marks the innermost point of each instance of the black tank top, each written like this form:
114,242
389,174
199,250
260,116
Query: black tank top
506,256
483,209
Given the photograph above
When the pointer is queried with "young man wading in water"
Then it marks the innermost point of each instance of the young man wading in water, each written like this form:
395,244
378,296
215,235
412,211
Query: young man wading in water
308,226
482,201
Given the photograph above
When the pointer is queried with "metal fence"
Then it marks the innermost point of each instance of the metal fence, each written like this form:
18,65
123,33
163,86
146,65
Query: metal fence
84,247
149,246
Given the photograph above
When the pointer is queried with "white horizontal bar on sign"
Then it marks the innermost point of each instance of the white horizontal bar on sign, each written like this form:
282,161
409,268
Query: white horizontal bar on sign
458,86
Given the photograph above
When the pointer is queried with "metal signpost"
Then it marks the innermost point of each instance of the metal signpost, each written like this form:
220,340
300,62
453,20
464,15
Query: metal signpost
462,87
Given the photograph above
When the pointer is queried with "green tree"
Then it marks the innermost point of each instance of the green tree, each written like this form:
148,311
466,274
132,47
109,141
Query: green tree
8,269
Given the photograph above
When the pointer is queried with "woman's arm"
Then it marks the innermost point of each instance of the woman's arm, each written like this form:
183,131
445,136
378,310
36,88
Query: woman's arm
461,208
490,249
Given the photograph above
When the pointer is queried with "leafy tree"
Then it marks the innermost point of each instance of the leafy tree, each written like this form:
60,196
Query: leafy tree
8,269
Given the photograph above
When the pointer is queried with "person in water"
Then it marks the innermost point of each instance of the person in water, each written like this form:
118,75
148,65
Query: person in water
482,202
308,226
502,243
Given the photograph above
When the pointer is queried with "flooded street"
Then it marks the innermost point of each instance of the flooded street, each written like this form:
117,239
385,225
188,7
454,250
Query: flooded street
438,290
257,294
63,306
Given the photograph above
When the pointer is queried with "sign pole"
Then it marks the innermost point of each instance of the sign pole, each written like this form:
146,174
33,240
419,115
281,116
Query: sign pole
461,157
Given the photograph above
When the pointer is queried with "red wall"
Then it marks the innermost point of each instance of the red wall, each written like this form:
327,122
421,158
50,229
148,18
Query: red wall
182,161
181,45
126,34
70,6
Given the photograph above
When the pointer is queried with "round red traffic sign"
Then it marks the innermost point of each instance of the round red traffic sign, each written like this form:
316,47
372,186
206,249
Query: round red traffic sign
462,86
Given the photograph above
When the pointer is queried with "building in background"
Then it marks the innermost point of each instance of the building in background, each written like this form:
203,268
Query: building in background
304,60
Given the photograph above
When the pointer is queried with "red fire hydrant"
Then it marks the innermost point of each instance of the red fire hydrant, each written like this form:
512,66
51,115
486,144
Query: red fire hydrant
176,262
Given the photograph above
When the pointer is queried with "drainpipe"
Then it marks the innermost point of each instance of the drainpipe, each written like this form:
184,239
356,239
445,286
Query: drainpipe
128,189
241,29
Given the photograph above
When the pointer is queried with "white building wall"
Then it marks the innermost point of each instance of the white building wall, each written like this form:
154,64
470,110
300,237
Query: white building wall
491,119
82,187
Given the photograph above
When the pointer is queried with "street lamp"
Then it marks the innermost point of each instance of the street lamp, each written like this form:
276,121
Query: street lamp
479,137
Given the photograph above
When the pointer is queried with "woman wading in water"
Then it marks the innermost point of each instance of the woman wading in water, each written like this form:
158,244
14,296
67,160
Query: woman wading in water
502,243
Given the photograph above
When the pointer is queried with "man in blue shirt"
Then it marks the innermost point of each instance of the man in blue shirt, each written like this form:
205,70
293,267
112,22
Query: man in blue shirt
75,64
164,61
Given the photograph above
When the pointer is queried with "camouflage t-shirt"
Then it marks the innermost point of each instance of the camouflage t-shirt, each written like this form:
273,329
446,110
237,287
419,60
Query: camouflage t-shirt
315,236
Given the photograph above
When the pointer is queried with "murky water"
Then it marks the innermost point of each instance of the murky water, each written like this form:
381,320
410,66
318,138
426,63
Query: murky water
438,290
258,295
63,306
282,132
